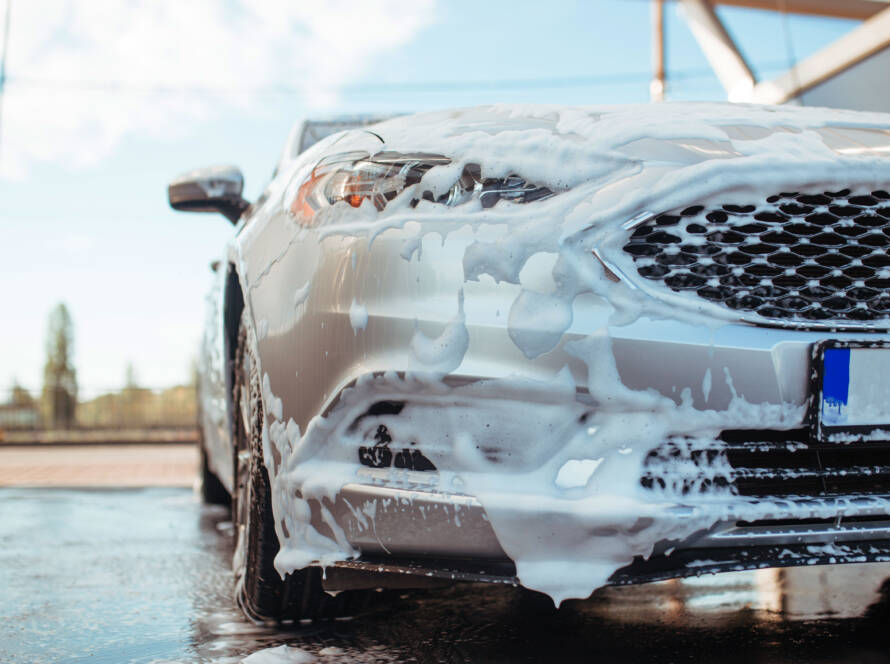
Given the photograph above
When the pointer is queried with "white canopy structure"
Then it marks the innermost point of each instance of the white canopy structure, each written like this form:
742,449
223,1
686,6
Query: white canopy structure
852,72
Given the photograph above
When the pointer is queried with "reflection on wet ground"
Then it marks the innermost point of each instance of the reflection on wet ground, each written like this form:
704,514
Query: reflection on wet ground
142,576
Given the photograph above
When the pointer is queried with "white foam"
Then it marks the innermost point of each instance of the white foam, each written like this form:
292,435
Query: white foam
280,655
446,351
576,472
358,316
301,294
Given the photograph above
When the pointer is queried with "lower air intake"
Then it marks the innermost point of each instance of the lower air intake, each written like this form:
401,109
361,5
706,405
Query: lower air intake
768,463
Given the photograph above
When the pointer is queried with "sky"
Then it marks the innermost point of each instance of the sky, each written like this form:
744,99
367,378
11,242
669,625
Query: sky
107,100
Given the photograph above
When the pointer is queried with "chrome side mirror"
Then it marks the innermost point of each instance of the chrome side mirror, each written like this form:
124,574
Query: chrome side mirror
214,189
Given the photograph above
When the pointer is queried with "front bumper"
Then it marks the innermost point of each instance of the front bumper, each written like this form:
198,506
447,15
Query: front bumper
430,535
421,524
410,454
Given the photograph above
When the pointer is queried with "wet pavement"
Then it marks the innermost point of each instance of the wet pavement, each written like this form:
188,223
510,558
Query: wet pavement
143,576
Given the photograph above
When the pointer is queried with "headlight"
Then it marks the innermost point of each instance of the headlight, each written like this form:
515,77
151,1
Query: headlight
353,177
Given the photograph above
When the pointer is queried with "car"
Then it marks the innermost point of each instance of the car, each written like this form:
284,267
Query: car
554,347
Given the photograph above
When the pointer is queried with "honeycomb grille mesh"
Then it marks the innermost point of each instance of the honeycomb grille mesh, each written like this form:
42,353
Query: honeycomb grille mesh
798,256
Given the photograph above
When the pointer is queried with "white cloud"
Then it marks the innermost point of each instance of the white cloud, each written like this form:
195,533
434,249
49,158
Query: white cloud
314,46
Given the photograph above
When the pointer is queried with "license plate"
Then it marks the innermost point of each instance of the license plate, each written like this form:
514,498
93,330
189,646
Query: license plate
854,390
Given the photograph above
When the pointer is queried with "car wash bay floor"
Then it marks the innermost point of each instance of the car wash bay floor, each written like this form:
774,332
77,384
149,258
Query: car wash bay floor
142,575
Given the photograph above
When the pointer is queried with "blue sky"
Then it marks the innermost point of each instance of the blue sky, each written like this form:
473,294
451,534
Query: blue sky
107,101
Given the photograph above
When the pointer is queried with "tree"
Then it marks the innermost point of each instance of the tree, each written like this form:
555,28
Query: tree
19,396
131,382
59,398
134,404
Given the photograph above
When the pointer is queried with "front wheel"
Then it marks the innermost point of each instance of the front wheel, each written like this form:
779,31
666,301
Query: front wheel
259,590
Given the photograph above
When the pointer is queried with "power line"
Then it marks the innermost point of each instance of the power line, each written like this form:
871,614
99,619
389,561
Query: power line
415,87
290,91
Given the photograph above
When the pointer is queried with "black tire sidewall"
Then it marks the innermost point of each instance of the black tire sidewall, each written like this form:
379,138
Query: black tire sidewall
259,589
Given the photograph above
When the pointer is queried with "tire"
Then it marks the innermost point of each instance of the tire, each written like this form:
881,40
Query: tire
212,490
259,590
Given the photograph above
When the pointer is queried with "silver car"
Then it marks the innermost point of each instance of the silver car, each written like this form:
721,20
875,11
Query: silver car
552,347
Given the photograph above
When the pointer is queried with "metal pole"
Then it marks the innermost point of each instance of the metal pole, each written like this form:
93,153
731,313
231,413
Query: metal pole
3,64
657,85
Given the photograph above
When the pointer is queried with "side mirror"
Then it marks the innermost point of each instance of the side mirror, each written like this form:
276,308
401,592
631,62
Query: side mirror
214,189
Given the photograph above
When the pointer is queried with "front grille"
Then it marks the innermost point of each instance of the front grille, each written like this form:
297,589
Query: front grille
765,463
819,257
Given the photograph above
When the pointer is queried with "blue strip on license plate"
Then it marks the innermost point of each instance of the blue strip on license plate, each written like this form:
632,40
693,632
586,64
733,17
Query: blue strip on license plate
835,386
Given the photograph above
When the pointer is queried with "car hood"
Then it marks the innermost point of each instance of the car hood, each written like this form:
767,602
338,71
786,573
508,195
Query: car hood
608,165
680,133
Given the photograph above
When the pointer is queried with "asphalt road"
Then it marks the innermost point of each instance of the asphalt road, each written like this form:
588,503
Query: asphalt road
141,575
